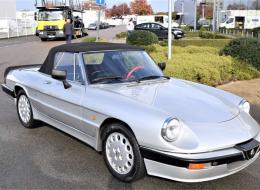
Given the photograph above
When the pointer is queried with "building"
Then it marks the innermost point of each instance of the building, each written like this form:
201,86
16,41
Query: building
7,9
204,8
90,5
186,10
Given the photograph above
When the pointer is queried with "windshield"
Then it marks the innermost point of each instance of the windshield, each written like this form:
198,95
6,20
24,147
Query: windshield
120,66
51,15
231,20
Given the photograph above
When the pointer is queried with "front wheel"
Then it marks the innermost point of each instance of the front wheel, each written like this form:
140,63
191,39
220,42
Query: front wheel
24,110
121,153
43,39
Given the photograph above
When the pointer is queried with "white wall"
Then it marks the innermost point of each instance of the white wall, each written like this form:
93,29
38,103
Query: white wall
91,16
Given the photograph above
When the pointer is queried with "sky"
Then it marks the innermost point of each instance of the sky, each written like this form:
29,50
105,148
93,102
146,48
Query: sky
158,5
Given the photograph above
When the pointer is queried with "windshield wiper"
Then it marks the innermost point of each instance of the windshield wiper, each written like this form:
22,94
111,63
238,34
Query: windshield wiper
151,77
109,78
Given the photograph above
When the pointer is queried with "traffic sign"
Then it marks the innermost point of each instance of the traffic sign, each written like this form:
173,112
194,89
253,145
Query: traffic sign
100,2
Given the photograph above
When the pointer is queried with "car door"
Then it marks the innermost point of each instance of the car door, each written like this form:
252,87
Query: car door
155,29
58,103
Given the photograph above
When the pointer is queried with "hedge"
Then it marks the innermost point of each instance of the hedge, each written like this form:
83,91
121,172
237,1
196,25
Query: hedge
244,49
217,43
202,64
213,35
140,37
121,35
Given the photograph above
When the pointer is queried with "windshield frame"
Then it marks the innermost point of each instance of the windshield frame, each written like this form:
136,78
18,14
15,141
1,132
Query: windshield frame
117,50
51,11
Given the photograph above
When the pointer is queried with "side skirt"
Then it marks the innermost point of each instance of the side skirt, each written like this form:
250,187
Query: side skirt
68,129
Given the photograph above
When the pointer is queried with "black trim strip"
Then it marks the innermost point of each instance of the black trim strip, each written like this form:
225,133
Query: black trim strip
182,162
8,91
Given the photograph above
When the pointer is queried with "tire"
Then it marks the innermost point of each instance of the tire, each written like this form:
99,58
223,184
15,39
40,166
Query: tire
121,153
25,114
43,39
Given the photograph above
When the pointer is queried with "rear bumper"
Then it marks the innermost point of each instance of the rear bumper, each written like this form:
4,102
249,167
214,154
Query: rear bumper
51,34
8,91
175,166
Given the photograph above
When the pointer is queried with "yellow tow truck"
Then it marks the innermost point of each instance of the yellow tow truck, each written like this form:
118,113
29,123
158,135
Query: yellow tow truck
52,17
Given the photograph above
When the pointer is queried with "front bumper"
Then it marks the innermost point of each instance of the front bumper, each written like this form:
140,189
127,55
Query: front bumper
8,91
51,34
218,164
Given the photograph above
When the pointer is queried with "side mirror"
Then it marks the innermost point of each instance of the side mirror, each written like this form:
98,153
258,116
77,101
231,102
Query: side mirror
162,66
61,76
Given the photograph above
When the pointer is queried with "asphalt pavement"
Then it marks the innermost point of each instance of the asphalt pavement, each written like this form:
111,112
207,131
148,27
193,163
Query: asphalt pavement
46,158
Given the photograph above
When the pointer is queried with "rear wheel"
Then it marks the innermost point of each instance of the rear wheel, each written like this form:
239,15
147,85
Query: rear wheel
121,153
24,110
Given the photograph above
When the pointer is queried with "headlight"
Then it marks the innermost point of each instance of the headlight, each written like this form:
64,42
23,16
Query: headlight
171,129
244,106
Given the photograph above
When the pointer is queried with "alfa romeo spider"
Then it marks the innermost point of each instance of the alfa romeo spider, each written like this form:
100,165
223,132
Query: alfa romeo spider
115,98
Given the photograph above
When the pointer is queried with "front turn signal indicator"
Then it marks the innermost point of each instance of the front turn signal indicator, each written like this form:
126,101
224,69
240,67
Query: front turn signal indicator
196,166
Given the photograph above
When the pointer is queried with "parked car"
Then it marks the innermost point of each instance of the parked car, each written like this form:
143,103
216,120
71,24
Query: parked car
104,25
159,30
92,26
116,99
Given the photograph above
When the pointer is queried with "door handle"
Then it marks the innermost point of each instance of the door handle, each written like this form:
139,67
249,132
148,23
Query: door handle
47,82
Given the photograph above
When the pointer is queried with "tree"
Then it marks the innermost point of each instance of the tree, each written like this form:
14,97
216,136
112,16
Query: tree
124,9
161,13
236,6
118,10
141,7
108,13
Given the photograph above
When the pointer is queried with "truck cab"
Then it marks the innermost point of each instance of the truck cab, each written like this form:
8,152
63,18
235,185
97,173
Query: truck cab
51,23
229,23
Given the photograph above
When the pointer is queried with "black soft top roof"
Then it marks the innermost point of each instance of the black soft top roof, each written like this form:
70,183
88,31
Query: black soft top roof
82,47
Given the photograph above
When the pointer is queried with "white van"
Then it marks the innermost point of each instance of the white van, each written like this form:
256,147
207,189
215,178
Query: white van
241,22
162,19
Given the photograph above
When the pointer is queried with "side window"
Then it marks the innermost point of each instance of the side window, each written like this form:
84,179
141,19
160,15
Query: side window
69,62
143,26
146,26
155,26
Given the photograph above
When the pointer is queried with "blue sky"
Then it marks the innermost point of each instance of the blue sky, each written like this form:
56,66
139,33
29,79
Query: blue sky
158,5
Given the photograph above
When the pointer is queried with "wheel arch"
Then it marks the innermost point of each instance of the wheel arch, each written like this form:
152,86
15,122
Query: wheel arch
106,122
17,88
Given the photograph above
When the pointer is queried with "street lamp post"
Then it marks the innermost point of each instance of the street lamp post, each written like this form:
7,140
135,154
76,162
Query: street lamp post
214,16
195,15
170,30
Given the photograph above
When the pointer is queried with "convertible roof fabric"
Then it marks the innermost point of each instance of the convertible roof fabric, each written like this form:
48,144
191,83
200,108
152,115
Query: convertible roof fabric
82,47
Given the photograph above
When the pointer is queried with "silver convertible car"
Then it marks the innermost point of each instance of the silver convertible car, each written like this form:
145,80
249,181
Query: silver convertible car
116,99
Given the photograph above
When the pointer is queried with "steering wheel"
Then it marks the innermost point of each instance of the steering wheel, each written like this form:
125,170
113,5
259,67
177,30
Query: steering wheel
130,73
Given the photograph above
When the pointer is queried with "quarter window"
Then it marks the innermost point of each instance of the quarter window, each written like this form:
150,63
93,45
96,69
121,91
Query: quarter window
68,62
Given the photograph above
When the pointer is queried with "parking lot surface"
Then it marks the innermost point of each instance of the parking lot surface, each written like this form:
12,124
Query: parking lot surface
46,158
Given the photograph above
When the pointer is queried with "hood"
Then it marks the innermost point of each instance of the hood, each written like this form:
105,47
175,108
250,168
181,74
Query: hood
180,99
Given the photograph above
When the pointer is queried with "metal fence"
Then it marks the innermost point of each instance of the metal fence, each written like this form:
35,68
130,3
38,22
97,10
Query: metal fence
16,27
241,33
